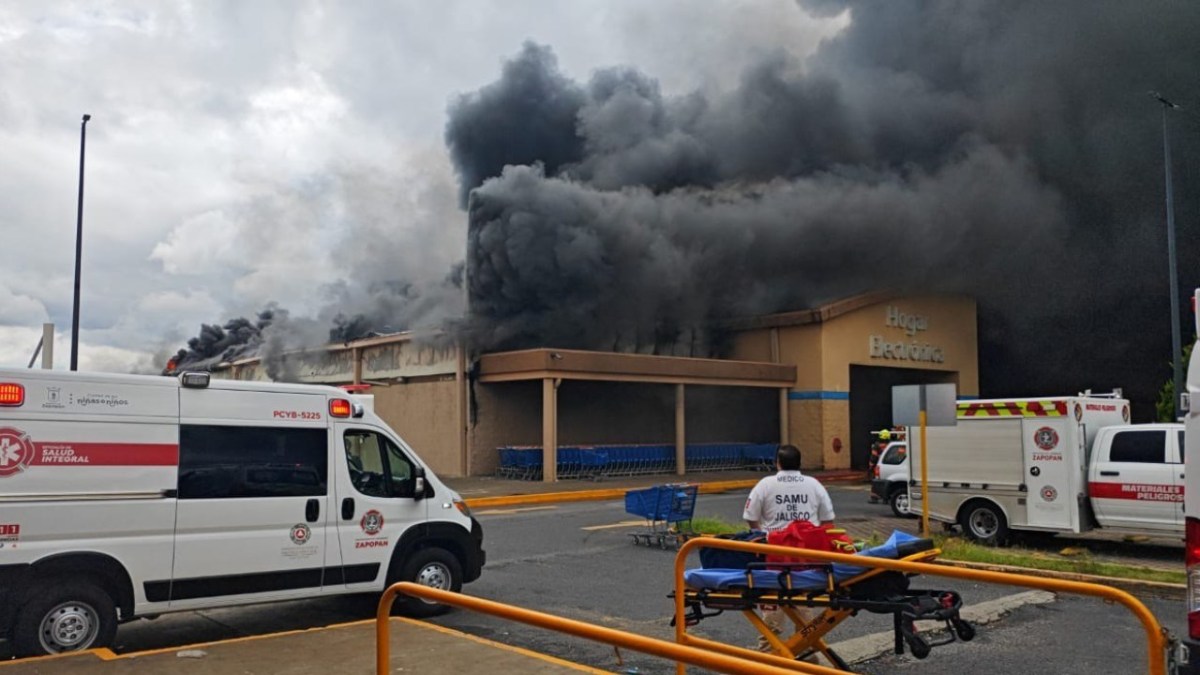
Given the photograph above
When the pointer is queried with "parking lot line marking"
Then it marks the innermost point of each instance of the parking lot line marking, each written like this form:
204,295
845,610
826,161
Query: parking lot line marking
623,523
522,509
500,645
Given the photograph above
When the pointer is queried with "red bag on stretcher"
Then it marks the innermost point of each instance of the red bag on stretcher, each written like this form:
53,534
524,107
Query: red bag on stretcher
803,534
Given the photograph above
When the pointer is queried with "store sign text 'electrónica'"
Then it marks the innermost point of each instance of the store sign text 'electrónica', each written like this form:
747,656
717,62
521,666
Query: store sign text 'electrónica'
912,350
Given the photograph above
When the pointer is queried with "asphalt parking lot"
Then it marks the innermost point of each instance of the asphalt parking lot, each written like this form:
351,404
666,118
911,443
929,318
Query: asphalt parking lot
578,560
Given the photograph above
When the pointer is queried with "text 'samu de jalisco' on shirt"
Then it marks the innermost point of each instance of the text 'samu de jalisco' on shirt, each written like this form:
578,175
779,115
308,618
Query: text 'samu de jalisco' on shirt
788,495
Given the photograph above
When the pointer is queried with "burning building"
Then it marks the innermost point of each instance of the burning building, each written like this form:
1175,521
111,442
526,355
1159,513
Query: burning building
820,379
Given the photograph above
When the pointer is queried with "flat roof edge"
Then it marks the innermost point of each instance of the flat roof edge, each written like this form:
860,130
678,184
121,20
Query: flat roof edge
537,364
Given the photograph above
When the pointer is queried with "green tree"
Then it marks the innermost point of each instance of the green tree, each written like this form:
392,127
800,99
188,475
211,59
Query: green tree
1165,406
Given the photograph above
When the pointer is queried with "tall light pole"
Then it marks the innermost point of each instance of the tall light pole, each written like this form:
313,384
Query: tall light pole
1176,338
78,247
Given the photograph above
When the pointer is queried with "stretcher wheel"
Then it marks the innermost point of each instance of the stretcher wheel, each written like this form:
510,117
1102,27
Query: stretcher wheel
916,644
964,630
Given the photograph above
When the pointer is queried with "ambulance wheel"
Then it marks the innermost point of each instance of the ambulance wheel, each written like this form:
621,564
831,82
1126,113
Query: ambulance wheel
899,503
64,616
984,522
433,567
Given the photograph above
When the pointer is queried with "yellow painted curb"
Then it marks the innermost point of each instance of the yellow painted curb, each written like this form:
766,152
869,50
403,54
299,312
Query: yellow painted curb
594,495
1161,589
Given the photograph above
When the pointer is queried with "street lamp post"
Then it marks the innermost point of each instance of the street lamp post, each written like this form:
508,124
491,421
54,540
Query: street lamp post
1176,337
78,247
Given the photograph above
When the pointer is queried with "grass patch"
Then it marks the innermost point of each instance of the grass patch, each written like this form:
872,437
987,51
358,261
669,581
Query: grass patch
716,526
954,548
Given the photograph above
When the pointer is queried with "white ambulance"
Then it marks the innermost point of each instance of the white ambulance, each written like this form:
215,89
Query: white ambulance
124,496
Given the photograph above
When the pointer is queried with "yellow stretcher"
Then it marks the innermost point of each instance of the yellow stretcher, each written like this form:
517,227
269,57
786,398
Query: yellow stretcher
839,591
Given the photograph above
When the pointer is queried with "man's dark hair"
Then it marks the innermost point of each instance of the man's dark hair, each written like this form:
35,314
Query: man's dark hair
788,457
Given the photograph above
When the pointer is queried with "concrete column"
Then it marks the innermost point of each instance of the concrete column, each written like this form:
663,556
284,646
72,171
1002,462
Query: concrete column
680,432
460,405
549,430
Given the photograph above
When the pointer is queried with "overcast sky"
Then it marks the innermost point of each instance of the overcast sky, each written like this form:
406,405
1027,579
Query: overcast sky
242,153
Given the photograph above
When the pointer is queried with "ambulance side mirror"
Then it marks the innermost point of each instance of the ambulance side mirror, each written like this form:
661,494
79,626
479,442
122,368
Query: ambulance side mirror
419,486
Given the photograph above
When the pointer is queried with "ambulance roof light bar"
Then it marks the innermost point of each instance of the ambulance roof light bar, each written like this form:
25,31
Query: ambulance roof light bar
193,380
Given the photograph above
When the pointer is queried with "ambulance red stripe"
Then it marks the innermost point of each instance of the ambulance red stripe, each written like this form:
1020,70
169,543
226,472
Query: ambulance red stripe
1136,491
105,454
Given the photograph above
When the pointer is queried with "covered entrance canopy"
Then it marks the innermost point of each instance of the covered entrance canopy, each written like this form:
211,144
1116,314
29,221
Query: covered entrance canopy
552,366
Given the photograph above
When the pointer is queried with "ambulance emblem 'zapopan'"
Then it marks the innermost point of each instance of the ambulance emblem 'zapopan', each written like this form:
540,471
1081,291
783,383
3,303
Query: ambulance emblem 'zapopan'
1046,438
372,522
16,451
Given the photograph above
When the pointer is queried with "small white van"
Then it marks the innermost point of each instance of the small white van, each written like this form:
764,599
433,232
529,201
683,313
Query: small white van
124,496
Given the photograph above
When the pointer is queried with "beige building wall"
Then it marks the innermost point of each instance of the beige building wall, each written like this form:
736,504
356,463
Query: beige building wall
424,413
950,327
938,333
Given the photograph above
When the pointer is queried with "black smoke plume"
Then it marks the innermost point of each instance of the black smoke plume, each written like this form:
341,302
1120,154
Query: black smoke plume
1008,150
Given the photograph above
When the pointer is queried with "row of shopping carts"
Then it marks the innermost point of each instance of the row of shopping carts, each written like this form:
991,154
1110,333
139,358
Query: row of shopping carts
604,461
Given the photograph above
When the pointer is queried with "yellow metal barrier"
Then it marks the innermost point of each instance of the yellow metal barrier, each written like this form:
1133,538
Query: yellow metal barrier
769,665
1155,635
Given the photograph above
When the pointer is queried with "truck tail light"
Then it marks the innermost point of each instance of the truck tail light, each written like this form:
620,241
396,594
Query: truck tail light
12,394
339,407
1192,560
875,471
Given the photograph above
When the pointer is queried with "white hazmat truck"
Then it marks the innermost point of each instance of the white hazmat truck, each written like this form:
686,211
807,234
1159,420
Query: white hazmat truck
1061,464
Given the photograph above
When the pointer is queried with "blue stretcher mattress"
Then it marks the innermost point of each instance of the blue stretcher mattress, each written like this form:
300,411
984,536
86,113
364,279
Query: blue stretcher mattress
899,545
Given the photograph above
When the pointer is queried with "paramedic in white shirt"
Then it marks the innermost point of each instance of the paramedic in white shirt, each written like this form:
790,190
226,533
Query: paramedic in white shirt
788,495
774,503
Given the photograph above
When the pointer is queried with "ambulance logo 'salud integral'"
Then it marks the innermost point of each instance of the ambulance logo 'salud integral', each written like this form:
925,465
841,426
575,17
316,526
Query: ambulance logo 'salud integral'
16,451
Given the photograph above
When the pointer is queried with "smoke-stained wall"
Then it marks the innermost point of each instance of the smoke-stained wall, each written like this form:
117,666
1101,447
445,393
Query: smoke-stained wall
502,414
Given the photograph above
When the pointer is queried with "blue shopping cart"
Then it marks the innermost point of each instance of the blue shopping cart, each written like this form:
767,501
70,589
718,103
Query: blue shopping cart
664,507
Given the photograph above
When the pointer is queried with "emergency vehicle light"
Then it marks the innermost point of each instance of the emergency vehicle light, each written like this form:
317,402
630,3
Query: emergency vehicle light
339,407
12,394
194,380
1191,558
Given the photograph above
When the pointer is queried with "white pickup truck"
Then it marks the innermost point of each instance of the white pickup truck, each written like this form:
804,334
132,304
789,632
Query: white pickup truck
1064,464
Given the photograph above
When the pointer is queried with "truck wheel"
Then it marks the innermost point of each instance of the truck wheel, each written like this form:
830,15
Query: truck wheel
899,503
64,616
433,567
985,523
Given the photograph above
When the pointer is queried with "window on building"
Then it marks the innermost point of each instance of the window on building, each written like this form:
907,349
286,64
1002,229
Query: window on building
377,467
218,462
1145,447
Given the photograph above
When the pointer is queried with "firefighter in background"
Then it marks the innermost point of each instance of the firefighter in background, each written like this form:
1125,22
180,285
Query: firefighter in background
883,437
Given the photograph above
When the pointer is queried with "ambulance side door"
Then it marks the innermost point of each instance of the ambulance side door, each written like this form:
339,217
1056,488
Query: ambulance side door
375,504
1132,482
253,499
